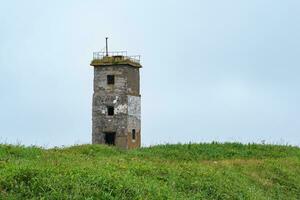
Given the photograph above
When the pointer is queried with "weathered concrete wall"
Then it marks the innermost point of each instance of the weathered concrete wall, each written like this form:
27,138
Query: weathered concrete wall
134,120
100,80
126,107
104,123
133,81
134,106
132,144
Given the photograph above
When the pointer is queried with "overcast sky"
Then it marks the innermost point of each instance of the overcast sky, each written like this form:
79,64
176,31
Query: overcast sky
212,70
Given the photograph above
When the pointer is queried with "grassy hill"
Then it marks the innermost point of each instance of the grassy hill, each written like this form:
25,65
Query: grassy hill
189,171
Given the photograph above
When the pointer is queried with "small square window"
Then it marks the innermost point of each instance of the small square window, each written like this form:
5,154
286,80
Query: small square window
110,110
133,134
110,79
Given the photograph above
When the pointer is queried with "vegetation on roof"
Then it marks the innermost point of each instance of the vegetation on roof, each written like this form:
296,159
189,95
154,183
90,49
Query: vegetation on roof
115,60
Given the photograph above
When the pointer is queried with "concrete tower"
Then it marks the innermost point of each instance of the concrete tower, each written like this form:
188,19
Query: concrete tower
116,100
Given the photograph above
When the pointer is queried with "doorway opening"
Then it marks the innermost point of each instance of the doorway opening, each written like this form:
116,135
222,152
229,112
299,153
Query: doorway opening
110,138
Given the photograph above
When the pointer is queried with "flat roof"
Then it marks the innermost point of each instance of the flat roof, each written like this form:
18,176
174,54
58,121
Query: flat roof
115,60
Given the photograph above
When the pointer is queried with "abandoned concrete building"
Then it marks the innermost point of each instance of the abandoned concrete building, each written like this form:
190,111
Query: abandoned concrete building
116,114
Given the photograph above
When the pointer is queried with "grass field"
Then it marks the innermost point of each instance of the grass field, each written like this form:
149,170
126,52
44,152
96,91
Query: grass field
189,171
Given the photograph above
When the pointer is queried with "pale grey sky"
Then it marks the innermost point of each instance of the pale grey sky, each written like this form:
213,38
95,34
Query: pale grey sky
212,70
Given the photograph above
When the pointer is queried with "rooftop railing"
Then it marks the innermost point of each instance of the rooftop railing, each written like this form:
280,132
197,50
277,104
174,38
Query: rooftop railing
123,54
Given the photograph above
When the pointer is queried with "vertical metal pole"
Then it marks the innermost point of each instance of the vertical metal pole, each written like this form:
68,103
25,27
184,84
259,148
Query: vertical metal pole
106,46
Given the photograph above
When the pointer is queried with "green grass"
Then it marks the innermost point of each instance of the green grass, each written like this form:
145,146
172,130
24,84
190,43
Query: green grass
182,171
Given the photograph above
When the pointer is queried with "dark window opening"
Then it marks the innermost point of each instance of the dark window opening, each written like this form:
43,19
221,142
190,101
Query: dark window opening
110,110
109,138
110,79
133,134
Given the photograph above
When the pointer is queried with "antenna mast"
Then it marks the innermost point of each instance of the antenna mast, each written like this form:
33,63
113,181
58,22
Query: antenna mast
106,46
